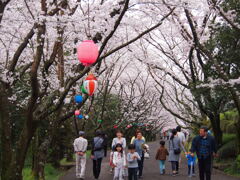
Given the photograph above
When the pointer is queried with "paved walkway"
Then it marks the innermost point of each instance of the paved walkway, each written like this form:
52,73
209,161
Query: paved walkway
150,172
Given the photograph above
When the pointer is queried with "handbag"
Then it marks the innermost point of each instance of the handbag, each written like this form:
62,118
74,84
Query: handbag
146,155
177,150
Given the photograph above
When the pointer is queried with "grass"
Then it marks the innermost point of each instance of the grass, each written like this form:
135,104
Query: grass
233,171
228,137
50,173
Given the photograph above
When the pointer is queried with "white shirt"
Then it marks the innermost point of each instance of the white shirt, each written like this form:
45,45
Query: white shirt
181,137
80,144
121,141
119,159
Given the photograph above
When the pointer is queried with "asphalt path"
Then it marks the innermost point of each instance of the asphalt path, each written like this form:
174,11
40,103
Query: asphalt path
150,172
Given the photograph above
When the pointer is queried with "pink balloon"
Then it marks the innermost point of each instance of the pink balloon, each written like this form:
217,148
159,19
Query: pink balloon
87,52
77,112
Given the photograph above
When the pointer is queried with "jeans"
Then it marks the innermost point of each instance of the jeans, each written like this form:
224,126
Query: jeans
205,167
97,167
161,166
132,174
189,170
140,166
175,165
80,165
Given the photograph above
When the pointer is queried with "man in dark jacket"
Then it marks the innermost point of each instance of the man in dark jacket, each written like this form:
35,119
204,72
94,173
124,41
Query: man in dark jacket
205,147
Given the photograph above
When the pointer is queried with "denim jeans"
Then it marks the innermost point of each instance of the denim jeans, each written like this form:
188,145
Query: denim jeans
175,165
140,166
132,173
161,166
189,170
205,167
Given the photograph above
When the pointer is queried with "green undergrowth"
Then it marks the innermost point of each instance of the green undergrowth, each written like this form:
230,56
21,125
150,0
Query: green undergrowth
51,173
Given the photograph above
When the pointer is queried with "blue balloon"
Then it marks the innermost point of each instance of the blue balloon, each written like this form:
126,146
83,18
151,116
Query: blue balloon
80,116
78,99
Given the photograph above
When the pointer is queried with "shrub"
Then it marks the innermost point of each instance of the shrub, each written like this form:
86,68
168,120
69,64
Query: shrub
238,161
228,150
228,137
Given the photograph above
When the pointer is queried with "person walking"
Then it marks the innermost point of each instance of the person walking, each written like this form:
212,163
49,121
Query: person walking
132,159
191,164
139,143
97,153
205,146
119,162
175,146
80,147
161,156
134,137
182,138
164,135
181,135
119,139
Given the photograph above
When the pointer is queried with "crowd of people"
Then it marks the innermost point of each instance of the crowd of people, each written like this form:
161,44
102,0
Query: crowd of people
130,163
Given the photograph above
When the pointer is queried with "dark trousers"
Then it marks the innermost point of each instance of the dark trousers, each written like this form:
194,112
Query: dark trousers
132,173
175,165
189,169
97,167
205,167
140,165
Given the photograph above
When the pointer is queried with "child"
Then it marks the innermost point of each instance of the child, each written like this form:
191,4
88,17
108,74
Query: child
111,160
191,163
119,162
132,158
161,155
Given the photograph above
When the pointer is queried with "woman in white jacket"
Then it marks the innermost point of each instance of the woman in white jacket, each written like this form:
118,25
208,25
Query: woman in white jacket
119,140
119,162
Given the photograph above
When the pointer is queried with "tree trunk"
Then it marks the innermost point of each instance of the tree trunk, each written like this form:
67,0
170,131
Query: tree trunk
217,131
6,147
40,160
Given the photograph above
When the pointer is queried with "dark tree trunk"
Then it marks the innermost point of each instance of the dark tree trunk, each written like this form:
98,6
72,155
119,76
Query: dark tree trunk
6,148
40,160
217,131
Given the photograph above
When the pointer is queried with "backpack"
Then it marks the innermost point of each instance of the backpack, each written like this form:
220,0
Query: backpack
98,144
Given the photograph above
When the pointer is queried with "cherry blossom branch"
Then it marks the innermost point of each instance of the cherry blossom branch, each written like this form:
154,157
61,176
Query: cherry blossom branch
137,37
117,23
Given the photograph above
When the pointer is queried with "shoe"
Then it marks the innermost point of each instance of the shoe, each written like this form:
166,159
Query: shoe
164,171
189,176
193,174
140,177
174,174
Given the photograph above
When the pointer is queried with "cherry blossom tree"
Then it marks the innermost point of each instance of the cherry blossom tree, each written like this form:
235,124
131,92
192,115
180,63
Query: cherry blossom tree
188,63
39,70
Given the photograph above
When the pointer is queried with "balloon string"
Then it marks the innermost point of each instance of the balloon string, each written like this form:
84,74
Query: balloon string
89,34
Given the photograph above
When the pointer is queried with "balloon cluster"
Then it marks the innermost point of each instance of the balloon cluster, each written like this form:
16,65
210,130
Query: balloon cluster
87,53
78,100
